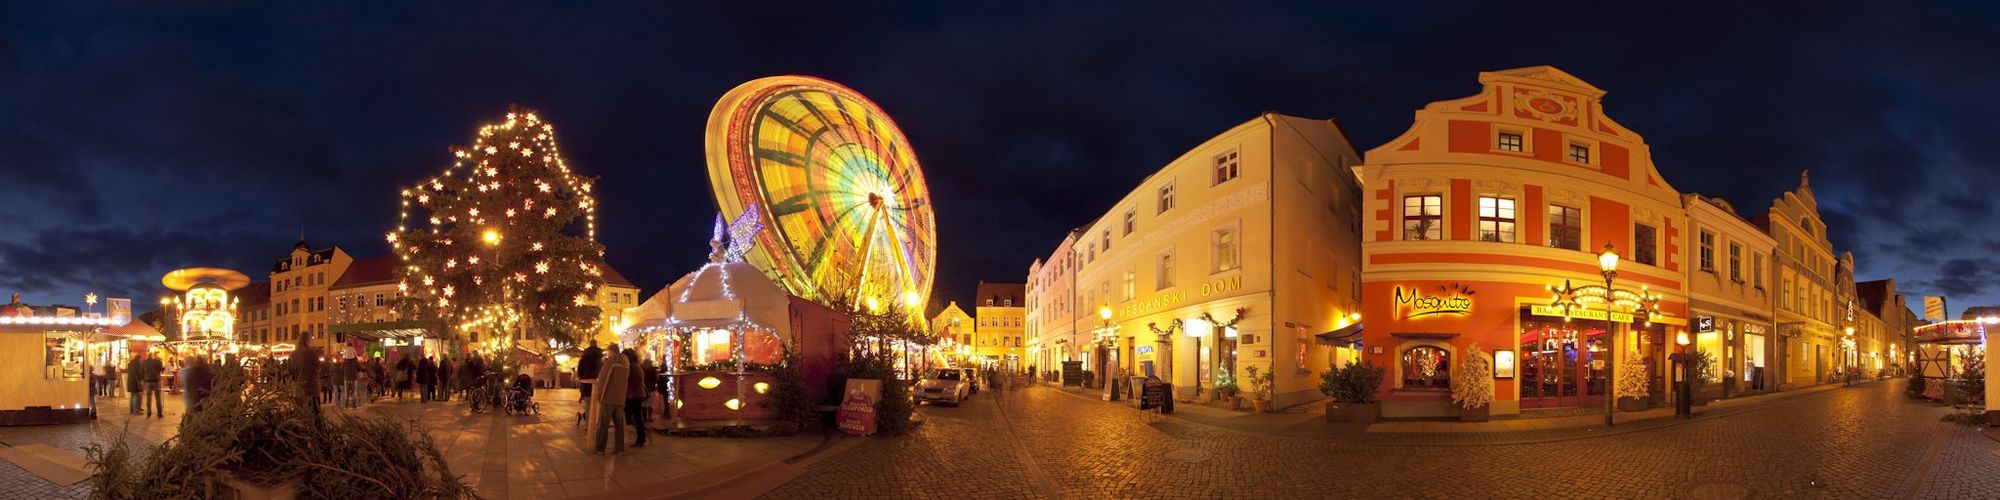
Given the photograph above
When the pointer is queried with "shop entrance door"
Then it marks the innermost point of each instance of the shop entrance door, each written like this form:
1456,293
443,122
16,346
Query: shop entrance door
1558,368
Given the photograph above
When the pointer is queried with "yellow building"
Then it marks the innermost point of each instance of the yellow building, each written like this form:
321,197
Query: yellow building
1729,295
253,310
1242,252
299,292
954,328
1809,332
1050,319
998,339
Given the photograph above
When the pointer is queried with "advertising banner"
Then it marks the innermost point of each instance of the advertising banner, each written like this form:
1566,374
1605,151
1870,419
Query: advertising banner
857,409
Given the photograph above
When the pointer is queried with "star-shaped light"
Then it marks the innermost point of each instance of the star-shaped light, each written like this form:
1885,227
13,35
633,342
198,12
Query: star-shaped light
492,150
450,290
542,267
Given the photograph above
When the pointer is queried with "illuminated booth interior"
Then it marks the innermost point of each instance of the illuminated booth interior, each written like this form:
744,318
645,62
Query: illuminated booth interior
45,358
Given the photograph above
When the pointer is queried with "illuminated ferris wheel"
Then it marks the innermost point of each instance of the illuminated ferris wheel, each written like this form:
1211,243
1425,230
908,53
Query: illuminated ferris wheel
846,211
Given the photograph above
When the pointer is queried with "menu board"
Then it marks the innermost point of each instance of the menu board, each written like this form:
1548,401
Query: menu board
1072,373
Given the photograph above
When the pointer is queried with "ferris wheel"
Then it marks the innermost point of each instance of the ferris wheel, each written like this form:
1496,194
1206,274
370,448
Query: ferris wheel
847,214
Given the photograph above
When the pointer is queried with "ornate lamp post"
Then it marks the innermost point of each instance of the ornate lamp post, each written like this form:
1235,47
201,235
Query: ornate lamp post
1107,337
1607,262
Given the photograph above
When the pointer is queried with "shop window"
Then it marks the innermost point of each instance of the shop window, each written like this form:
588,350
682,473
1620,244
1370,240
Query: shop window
1423,217
1707,257
1565,227
1496,219
1426,367
1644,240
1509,141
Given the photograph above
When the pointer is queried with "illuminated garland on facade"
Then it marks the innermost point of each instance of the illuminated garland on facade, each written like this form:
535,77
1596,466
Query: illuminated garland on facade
505,238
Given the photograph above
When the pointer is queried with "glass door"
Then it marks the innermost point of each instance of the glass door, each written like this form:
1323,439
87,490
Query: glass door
1557,364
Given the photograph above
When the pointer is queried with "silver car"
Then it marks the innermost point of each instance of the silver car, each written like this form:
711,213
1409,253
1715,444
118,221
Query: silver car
947,385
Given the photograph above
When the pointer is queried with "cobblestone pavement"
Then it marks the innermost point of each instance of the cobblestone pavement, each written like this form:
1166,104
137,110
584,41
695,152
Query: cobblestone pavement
1860,442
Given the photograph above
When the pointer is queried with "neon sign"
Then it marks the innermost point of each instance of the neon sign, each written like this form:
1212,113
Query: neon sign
1456,300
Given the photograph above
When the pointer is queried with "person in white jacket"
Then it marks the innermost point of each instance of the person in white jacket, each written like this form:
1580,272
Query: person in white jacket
609,399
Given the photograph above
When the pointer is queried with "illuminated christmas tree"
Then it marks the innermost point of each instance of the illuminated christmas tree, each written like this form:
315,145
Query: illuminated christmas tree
504,242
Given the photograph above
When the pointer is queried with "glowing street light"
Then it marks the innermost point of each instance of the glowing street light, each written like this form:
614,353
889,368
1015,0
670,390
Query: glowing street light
1607,262
491,236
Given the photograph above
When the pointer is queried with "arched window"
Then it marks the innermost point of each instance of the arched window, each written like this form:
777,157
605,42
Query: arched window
1426,367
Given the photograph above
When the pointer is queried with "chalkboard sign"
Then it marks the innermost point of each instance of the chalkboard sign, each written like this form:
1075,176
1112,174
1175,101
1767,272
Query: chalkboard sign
1072,373
1154,395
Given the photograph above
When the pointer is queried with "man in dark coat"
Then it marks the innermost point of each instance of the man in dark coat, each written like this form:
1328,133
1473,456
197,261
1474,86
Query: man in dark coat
151,378
427,379
586,368
134,389
306,370
406,373
443,392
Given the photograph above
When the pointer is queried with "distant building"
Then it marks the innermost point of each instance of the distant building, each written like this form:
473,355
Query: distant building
1811,320
1000,309
299,292
253,313
1051,316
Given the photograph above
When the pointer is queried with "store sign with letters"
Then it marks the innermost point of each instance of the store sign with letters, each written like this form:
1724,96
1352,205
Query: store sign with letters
1453,300
1593,314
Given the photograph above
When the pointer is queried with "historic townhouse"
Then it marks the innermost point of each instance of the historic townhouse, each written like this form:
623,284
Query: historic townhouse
298,293
1729,289
1810,325
1000,309
1241,252
1484,205
1051,315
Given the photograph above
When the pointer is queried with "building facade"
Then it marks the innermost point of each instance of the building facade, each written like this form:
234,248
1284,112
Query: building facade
1051,316
1240,253
253,314
299,292
953,325
1810,330
1486,205
1730,297
1881,298
998,340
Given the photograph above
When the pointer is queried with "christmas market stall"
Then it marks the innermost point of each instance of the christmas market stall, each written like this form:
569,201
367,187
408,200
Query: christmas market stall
45,362
721,333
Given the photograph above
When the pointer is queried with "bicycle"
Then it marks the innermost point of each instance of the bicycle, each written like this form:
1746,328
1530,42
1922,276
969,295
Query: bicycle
486,395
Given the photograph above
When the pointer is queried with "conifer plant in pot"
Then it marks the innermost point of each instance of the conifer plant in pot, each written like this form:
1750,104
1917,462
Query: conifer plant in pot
1260,387
1350,392
1472,385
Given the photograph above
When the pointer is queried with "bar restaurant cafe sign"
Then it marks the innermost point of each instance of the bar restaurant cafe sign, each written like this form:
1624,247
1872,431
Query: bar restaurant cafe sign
1453,300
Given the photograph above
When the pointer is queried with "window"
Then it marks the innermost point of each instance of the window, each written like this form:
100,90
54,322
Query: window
1225,167
378,300
1510,141
343,302
1757,271
1426,367
1565,227
1131,221
1131,283
1644,239
1423,217
1007,303
1166,198
1228,252
1806,225
1166,278
1707,257
1736,262
1107,239
1579,153
1496,219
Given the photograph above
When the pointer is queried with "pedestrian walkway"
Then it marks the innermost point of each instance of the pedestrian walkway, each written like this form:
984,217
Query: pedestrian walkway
545,456
1308,422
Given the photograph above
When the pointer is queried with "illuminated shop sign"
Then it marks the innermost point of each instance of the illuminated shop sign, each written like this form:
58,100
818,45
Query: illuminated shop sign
1704,324
1592,314
1455,300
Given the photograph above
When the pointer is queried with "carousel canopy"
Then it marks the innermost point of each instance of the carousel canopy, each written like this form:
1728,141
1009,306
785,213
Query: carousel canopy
723,294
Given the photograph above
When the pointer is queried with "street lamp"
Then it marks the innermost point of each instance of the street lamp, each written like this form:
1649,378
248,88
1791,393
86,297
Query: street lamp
1607,262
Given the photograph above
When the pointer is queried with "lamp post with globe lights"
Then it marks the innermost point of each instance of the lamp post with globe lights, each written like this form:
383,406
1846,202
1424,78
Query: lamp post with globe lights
1607,263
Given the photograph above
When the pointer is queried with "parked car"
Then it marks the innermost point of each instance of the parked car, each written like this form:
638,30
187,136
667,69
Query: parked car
946,385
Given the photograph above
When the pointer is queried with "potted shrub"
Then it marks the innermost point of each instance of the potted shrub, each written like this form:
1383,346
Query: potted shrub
1351,392
1472,386
1701,373
1260,387
1632,390
1225,388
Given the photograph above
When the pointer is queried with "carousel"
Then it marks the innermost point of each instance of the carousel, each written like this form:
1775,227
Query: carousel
204,312
720,331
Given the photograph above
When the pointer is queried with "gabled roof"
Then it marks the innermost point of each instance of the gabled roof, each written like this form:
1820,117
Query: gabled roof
255,295
1873,294
370,271
313,258
1000,293
612,277
1544,75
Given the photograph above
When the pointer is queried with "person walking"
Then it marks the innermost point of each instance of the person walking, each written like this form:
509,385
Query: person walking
338,379
586,371
150,376
134,390
197,380
608,400
306,370
380,380
427,379
406,373
445,379
635,397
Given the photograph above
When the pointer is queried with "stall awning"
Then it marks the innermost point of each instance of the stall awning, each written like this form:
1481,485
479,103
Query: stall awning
1349,335
408,329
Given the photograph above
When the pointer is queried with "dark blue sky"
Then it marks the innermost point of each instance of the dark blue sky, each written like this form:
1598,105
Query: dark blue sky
136,139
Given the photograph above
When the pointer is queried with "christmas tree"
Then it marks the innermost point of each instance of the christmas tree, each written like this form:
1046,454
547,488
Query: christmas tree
503,242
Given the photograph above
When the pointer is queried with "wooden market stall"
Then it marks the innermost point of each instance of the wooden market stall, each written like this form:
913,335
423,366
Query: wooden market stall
45,364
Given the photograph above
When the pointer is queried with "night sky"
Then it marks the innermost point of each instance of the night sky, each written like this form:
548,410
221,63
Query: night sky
135,140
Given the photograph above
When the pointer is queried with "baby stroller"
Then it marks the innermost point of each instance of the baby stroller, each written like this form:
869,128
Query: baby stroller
521,397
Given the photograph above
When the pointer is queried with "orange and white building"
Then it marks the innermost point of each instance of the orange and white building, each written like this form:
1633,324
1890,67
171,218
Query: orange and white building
1484,205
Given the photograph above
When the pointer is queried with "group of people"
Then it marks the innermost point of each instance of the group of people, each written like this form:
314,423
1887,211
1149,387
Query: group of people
142,384
351,381
617,389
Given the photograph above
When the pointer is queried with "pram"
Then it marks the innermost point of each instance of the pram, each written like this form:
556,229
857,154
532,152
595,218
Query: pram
521,397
